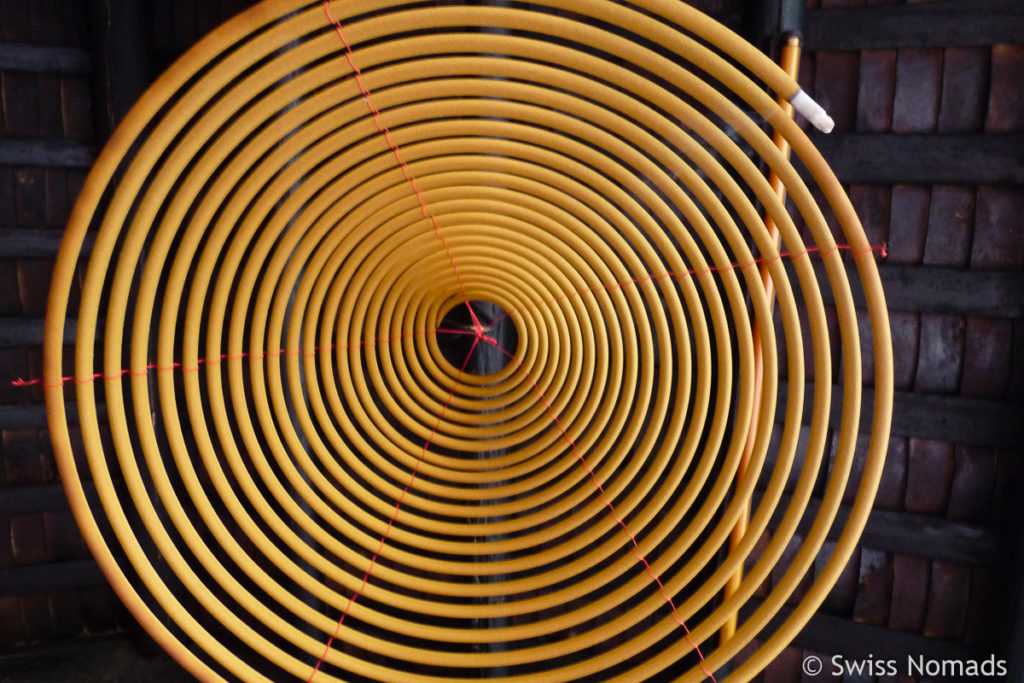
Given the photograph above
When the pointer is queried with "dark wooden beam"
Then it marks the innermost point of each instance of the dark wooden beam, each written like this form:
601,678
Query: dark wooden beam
29,332
831,635
18,244
126,656
888,159
29,416
949,23
997,294
935,538
62,153
121,46
33,415
977,422
44,59
50,578
20,500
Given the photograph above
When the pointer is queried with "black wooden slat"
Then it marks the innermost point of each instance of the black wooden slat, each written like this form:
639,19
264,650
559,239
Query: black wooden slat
955,23
20,500
887,158
49,578
29,332
30,416
961,420
956,419
831,636
17,243
126,656
20,152
44,59
997,294
33,415
934,538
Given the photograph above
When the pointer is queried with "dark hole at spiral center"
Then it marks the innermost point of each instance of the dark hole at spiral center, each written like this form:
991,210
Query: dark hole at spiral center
495,341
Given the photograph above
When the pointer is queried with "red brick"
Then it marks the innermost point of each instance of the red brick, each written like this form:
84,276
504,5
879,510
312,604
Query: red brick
76,178
873,204
908,224
876,91
843,594
6,191
892,487
20,103
974,484
1016,390
6,551
58,206
998,229
66,614
929,476
23,463
28,539
29,197
99,609
63,537
965,76
918,89
750,560
76,24
12,629
76,108
941,353
1006,500
47,21
875,588
783,565
786,667
951,225
1006,96
835,86
985,589
16,26
988,360
49,124
10,302
34,284
910,579
35,614
947,600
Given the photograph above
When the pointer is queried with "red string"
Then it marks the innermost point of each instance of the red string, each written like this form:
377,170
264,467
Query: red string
882,249
398,509
635,547
361,344
375,112
478,327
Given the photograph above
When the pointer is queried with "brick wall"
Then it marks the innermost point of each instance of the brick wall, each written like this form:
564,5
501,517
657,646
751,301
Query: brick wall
962,356
966,355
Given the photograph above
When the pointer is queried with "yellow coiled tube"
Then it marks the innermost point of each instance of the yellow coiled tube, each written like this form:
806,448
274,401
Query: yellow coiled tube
290,442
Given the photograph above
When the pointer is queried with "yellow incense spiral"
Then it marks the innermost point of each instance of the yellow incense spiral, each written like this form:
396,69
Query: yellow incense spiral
286,239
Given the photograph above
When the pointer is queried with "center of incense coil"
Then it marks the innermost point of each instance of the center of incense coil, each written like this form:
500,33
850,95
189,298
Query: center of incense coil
487,326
